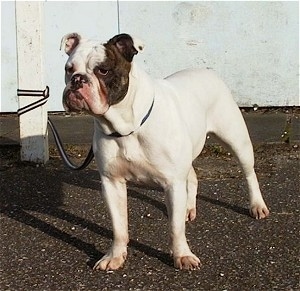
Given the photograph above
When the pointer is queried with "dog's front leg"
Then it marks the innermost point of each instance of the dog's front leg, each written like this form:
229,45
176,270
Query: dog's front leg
176,204
115,195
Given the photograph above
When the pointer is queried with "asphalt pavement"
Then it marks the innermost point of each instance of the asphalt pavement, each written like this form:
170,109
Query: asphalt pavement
54,224
264,125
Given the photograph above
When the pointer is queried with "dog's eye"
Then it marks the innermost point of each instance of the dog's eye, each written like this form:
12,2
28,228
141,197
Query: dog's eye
101,71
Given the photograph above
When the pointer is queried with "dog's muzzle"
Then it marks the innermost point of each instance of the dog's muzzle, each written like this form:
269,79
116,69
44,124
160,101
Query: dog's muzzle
77,93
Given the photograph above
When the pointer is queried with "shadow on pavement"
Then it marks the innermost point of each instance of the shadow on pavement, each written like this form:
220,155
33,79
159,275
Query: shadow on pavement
235,208
26,188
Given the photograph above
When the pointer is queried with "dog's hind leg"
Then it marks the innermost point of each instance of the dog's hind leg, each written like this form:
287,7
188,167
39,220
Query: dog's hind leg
244,153
192,187
232,131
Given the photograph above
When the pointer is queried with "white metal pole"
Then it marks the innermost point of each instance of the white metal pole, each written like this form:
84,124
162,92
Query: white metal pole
33,124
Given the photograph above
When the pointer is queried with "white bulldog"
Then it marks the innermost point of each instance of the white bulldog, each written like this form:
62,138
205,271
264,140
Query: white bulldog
150,131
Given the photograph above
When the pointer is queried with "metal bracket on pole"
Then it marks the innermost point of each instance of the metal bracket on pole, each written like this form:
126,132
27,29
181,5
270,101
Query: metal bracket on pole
34,93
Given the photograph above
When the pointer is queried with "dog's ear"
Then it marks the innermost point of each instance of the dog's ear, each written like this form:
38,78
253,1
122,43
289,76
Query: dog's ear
69,42
127,46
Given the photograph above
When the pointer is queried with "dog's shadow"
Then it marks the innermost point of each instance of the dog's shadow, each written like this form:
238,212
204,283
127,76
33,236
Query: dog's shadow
226,205
41,190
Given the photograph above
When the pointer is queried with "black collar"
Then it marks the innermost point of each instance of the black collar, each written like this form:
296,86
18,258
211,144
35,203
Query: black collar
117,134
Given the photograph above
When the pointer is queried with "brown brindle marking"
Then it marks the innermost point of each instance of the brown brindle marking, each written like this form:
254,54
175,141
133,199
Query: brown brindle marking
117,77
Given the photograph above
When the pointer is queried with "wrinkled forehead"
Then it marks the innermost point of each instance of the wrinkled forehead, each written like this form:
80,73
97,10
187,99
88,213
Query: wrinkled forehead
86,53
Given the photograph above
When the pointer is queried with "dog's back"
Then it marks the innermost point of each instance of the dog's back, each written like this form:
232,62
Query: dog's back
205,103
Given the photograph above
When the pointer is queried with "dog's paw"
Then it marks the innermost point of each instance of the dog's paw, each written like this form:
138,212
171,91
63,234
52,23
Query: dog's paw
187,263
259,211
190,214
108,263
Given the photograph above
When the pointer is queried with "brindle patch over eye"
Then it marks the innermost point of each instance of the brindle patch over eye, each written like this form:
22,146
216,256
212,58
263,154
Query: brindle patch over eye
115,74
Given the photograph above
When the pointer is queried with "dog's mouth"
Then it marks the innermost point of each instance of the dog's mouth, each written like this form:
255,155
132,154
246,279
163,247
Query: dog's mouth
77,92
85,97
74,101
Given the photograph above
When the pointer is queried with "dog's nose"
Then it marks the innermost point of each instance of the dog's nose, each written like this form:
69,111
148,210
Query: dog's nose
78,80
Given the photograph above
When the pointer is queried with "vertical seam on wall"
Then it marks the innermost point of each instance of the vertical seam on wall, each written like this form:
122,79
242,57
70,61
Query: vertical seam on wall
118,12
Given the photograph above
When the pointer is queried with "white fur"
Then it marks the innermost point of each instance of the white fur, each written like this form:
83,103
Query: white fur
187,106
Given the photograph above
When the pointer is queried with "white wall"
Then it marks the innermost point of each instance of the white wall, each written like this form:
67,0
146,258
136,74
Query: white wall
8,98
253,45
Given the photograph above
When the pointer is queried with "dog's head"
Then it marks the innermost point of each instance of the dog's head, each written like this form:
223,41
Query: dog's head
97,74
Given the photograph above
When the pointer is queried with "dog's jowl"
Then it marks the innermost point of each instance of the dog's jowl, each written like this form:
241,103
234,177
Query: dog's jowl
150,131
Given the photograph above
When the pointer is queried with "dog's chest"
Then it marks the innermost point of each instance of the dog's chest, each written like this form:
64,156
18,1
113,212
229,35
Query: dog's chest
135,162
131,154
